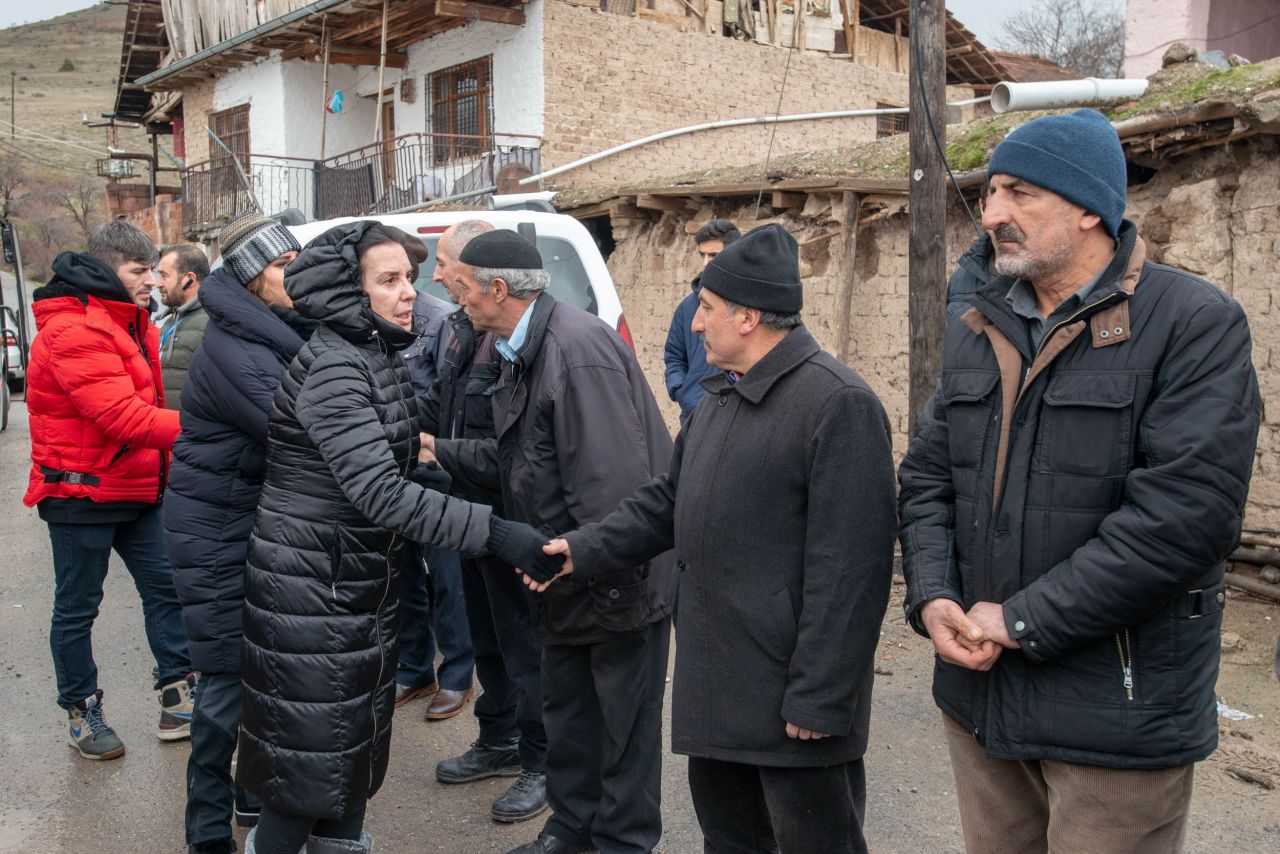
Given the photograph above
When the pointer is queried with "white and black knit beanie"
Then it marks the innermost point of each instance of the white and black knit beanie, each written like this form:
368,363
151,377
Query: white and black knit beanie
250,242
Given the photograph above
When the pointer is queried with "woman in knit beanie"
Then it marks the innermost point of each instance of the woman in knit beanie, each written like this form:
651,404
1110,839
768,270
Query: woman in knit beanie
217,471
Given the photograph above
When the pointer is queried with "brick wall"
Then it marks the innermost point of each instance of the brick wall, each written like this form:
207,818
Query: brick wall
1213,214
197,103
613,78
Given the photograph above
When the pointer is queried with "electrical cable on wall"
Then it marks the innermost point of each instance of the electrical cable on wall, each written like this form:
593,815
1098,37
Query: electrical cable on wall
786,69
928,114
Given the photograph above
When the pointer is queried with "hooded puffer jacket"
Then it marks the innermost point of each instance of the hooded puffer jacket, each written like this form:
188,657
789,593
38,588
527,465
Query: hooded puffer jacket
219,459
322,580
99,429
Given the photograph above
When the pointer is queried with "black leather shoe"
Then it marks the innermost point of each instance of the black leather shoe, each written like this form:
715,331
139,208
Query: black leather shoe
480,762
526,798
214,846
548,844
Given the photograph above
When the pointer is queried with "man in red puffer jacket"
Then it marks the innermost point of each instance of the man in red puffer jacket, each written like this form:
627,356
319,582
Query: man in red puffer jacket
100,441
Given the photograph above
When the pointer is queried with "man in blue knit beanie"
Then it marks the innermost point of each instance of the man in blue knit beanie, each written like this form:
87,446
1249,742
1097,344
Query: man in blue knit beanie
1067,508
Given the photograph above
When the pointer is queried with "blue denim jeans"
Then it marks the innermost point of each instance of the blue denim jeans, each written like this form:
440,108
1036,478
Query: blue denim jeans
434,604
80,555
211,792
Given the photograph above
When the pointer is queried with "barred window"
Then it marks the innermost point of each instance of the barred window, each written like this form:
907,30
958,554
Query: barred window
891,124
232,127
462,109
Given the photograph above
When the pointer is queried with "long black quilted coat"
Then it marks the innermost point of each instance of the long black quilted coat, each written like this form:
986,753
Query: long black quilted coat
322,585
219,459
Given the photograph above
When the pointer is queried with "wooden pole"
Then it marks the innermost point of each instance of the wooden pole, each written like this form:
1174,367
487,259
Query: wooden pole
325,37
927,248
850,206
897,45
797,30
849,37
857,29
382,67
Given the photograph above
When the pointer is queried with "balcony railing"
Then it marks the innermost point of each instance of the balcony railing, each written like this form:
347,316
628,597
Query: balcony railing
398,173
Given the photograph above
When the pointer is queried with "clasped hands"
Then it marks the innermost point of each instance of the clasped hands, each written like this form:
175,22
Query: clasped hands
974,639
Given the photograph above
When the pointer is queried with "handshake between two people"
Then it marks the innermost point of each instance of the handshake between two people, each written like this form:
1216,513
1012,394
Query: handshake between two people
538,560
972,639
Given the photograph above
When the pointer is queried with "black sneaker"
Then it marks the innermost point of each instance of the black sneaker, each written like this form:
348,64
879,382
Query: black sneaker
481,762
226,845
526,798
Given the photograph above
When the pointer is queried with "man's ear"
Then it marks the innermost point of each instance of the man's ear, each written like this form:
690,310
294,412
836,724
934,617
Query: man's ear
750,320
1089,221
500,291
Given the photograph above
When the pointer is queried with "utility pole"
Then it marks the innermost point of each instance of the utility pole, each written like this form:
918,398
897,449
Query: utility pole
13,114
927,249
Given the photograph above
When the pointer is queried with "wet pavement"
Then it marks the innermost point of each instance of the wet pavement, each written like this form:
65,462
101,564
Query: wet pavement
53,801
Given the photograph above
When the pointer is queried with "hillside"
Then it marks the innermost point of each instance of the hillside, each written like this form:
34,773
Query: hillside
53,102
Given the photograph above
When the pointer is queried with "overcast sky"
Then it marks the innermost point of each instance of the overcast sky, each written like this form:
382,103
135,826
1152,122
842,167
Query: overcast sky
16,12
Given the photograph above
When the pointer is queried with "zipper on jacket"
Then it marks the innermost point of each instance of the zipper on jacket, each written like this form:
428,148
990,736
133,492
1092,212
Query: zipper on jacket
1125,650
124,449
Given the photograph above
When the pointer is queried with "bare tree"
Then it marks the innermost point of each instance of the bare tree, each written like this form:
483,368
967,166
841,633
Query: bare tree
82,199
14,179
1086,36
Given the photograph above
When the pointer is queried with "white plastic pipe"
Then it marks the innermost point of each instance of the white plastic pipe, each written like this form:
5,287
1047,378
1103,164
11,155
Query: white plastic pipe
1008,97
728,123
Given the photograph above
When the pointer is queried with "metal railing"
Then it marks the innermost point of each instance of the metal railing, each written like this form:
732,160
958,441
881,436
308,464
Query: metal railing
385,176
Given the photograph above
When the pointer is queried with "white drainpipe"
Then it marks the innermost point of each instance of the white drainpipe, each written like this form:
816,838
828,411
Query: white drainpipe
1008,97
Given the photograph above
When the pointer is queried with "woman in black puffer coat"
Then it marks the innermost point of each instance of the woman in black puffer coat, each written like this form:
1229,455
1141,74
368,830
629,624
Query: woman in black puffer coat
322,586
218,462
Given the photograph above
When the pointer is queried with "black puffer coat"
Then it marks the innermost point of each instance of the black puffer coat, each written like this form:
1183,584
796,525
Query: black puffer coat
1094,488
322,585
218,461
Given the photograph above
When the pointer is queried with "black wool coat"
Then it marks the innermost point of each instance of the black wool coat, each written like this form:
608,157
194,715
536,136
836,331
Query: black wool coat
219,460
1094,487
322,584
780,506
578,430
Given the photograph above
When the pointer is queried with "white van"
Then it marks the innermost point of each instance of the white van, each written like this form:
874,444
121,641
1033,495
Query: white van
579,276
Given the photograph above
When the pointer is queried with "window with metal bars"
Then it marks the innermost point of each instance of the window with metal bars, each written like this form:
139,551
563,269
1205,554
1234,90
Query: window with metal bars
462,109
232,127
891,124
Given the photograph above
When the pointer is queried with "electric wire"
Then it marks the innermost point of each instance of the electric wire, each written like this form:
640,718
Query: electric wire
786,69
928,114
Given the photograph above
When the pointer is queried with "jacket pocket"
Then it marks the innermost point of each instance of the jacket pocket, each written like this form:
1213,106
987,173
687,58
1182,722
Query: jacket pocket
622,606
335,564
1086,427
478,400
970,399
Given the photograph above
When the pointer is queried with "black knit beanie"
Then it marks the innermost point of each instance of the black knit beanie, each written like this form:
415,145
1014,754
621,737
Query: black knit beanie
501,249
761,270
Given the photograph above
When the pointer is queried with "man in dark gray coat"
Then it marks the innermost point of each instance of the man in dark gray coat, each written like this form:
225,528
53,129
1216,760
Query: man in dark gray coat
780,506
577,430
1068,504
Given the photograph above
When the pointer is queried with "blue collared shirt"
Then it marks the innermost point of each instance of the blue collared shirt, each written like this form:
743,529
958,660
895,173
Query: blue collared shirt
1022,301
508,347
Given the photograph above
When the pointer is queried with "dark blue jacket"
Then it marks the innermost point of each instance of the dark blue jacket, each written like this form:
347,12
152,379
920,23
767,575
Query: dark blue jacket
686,358
219,459
972,273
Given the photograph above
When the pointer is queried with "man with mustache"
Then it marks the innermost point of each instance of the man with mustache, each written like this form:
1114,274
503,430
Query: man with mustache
1067,507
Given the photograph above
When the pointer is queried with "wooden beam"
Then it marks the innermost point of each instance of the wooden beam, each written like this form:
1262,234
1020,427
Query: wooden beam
667,204
479,11
855,48
850,209
850,40
345,54
789,201
927,246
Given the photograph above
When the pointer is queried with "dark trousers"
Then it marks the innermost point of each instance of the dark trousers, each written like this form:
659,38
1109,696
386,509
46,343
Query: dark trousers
508,659
603,713
431,600
287,834
211,791
745,809
80,555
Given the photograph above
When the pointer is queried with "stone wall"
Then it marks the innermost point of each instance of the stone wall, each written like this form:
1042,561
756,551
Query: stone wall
614,78
1215,214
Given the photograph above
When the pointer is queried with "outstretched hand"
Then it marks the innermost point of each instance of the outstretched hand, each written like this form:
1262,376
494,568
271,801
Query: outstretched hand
558,546
427,448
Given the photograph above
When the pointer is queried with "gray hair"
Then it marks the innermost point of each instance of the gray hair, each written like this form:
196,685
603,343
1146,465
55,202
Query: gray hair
768,319
118,242
523,284
466,231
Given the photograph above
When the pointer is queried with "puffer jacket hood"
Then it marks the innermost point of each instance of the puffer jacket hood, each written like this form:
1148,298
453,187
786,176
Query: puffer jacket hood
79,275
236,311
324,284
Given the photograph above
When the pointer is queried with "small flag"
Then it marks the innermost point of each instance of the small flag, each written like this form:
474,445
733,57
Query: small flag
335,103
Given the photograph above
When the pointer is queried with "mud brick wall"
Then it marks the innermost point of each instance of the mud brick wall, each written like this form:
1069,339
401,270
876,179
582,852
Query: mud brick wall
1214,214
614,78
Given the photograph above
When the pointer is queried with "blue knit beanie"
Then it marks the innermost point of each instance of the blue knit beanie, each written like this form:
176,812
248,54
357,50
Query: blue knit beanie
1077,156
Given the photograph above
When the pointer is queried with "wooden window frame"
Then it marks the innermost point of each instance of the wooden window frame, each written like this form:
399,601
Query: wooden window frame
445,100
234,134
892,124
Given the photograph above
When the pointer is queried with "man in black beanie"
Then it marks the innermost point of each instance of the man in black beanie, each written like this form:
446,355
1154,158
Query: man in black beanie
780,507
577,431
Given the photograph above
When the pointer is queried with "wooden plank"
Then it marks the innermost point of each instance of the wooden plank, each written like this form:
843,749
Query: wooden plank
479,11
927,242
345,54
662,203
855,48
789,201
850,40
